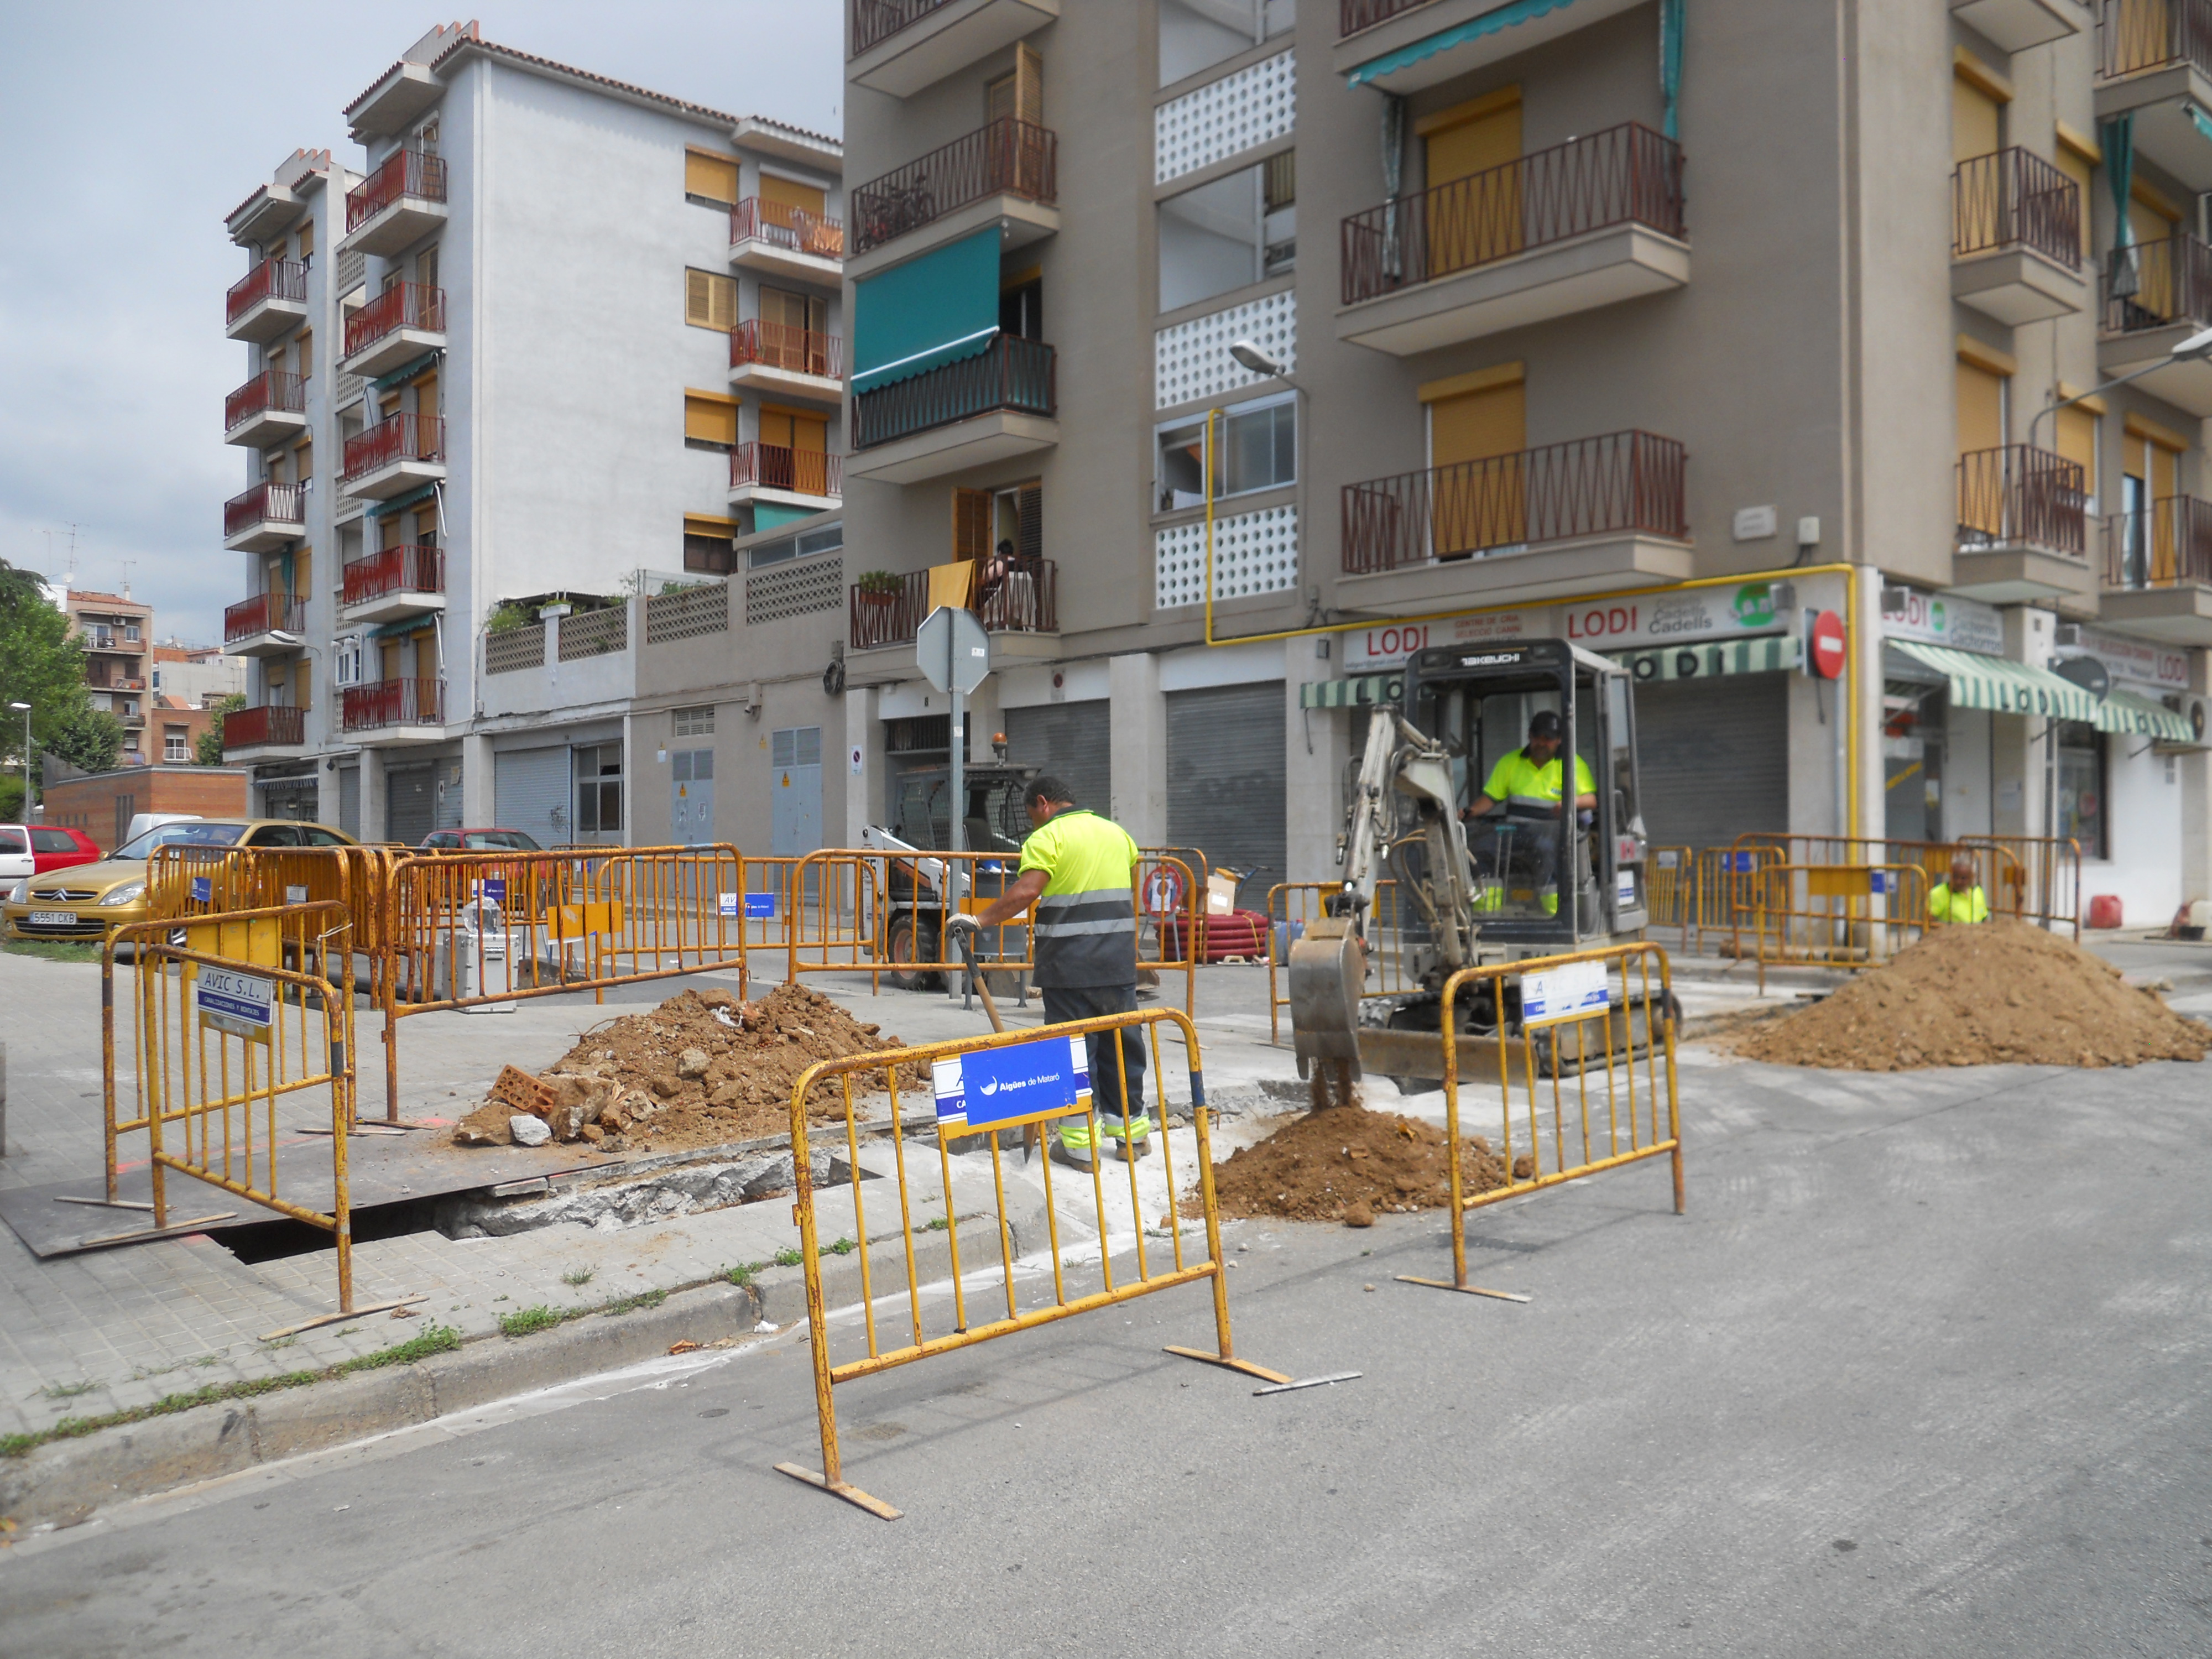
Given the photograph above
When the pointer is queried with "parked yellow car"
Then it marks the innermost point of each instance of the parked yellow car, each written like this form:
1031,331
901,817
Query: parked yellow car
91,901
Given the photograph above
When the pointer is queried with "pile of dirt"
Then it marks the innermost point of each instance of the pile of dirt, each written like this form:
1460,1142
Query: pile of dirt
703,1069
2002,992
1344,1163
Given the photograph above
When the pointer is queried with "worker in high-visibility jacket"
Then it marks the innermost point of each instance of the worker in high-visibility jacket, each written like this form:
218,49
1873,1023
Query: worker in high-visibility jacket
1526,788
1959,899
1076,870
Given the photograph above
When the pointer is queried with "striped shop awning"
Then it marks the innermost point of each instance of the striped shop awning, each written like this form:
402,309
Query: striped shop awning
1767,654
1360,691
2002,686
2125,712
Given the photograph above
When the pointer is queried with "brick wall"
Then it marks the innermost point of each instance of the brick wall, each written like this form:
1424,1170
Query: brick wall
102,804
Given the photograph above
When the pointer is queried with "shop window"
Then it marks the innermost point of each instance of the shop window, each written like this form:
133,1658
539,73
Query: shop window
1255,448
598,789
2083,804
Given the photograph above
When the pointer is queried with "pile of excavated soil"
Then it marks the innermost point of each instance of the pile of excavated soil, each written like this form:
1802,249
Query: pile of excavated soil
2002,992
704,1069
1344,1163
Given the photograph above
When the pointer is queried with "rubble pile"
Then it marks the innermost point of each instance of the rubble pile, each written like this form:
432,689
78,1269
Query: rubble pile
1344,1163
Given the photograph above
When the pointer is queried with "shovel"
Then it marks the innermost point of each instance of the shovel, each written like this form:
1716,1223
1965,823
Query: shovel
991,1007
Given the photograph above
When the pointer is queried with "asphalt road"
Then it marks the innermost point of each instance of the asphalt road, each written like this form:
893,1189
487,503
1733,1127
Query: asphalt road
1921,1372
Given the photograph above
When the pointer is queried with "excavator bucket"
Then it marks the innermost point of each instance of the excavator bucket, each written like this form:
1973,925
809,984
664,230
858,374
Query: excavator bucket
1328,966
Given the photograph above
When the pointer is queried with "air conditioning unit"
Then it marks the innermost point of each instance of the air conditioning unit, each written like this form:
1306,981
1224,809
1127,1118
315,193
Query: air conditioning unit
2197,710
2066,637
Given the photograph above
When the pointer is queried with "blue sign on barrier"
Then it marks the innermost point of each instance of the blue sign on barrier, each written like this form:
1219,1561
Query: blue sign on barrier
203,890
760,907
1743,862
494,888
993,1088
1879,881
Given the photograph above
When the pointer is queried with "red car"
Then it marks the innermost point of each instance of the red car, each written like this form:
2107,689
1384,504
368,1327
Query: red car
479,840
51,847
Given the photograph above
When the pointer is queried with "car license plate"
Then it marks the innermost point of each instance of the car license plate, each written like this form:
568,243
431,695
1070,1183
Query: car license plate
53,919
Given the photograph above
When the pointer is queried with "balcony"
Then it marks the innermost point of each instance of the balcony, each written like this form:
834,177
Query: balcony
1404,46
246,731
269,300
267,409
2022,529
900,46
1016,597
803,478
395,582
1585,516
399,325
247,625
264,517
2022,25
396,205
1587,223
2158,571
399,453
998,403
394,711
2016,238
797,362
1005,174
2156,63
778,240
2154,297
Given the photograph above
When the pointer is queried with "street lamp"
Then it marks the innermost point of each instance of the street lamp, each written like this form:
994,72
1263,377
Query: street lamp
24,708
2194,349
1251,358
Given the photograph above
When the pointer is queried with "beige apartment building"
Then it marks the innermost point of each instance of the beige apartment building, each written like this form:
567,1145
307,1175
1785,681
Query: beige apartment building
116,633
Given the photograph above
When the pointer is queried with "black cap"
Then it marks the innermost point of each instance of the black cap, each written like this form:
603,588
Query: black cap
1544,724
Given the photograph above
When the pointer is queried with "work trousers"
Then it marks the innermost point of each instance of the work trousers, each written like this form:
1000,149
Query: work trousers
1068,1002
1536,840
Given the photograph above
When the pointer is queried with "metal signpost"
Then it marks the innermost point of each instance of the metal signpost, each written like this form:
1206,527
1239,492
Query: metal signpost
954,654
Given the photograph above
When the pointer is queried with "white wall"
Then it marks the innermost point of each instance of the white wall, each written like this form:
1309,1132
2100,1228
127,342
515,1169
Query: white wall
2144,815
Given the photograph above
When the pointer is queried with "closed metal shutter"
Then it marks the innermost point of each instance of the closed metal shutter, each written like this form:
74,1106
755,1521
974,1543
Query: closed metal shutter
1226,786
448,792
410,804
529,792
349,800
1072,741
1713,756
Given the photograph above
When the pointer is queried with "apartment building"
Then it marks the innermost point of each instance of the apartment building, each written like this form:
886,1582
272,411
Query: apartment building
577,346
116,633
1675,329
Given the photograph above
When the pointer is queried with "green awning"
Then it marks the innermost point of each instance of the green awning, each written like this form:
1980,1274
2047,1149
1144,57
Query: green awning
1361,691
2002,686
2126,712
1770,654
928,313
406,371
413,498
1491,22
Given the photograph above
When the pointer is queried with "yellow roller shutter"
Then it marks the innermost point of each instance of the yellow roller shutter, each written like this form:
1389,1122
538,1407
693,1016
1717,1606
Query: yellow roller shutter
789,192
709,420
712,176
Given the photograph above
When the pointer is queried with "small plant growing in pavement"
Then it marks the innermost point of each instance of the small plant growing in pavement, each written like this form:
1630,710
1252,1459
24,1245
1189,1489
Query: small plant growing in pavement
578,1276
523,1321
788,1258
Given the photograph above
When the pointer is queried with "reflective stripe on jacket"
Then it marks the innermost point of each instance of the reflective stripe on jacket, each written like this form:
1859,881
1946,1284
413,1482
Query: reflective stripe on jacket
1087,921
1944,905
1522,785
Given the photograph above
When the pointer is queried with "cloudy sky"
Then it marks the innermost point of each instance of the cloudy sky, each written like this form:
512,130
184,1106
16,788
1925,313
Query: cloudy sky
134,128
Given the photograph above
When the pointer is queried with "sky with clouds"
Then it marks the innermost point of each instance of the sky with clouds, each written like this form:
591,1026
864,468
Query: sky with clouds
135,128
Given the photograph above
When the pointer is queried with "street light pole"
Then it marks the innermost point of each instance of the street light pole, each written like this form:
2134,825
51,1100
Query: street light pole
26,709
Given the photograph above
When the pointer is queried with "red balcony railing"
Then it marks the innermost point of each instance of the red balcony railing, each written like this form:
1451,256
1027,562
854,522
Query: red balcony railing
1012,373
1623,483
1353,16
778,345
2014,198
2148,35
393,703
269,390
2014,495
272,279
252,728
266,503
2151,285
405,173
1016,595
2169,546
272,612
1008,156
1625,174
410,569
802,471
876,20
404,305
395,438
755,219
887,618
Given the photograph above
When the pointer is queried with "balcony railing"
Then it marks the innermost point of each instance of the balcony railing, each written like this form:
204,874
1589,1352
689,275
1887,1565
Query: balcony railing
2151,285
1624,483
405,173
1011,375
1008,156
266,503
272,279
393,703
395,438
778,345
2169,546
1353,16
1013,596
407,570
271,390
252,728
263,613
875,22
2014,198
2018,496
2147,34
755,219
1627,174
802,471
404,305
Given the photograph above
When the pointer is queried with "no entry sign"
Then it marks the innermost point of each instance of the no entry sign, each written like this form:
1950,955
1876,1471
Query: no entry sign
1825,655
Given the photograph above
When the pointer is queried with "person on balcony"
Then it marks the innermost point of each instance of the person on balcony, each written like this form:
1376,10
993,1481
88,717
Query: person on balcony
1526,785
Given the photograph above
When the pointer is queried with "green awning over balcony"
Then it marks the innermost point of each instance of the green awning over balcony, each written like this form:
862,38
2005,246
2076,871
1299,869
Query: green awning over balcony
414,497
928,313
1491,22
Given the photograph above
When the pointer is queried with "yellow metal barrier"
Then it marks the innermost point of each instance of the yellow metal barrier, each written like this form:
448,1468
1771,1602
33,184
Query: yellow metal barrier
1294,904
1171,903
881,913
1670,896
1586,1013
1836,916
985,1085
2032,878
834,915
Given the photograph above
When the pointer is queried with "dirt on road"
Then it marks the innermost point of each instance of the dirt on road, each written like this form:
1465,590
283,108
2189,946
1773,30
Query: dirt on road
1344,1163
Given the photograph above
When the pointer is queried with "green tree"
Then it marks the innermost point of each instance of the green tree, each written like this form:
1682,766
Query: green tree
39,664
90,739
209,749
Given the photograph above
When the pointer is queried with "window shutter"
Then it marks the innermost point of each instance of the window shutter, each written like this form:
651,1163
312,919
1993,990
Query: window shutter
713,177
306,354
303,586
1029,84
971,523
305,457
303,683
697,301
307,241
709,421
1029,519
789,192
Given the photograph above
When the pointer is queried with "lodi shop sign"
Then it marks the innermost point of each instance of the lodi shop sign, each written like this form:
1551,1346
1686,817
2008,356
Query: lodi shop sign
2142,661
1942,619
1686,617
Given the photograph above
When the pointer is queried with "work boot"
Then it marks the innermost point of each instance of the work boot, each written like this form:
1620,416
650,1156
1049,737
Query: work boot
1071,1146
1133,1136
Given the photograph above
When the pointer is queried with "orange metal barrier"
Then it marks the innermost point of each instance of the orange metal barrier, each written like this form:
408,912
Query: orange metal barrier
1171,909
886,913
1670,888
1836,916
987,1085
2029,878
1294,904
834,915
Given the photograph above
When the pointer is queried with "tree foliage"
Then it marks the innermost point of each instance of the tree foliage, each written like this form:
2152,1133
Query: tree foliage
208,751
39,664
90,739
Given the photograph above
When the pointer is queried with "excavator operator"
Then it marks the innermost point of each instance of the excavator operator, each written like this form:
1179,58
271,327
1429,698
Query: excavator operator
1527,784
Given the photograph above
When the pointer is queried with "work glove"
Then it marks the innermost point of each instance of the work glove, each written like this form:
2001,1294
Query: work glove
964,931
